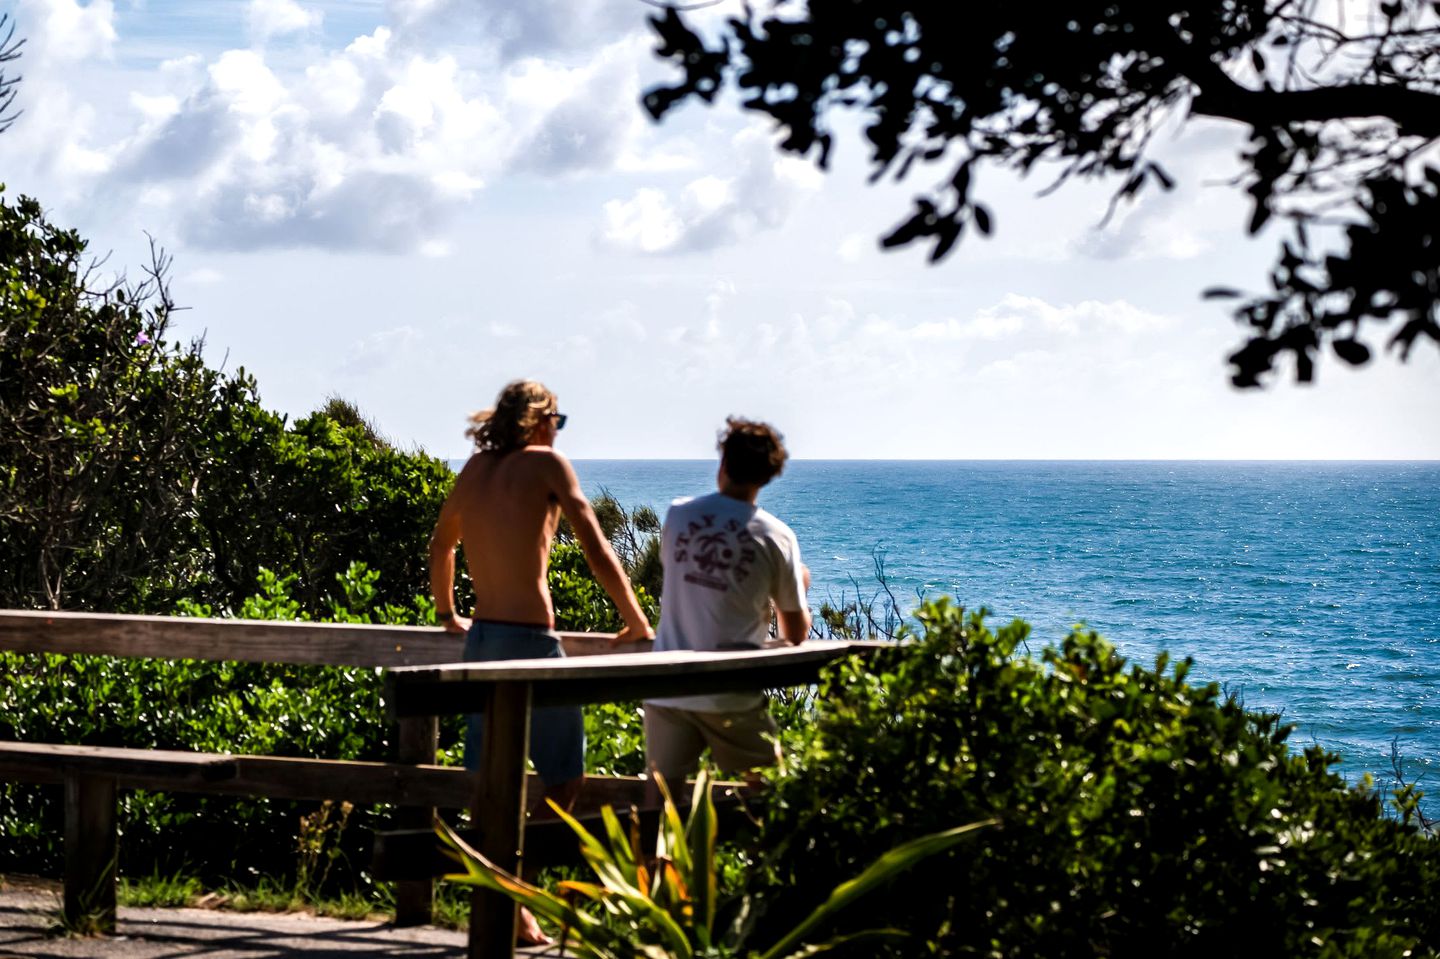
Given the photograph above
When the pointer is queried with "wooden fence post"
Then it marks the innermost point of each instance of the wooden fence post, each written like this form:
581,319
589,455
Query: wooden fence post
499,813
418,739
91,851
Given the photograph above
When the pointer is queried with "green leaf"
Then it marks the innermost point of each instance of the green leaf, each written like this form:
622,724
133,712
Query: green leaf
700,835
887,867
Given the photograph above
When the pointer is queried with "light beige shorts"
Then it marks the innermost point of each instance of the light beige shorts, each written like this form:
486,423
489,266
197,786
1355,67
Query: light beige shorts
739,741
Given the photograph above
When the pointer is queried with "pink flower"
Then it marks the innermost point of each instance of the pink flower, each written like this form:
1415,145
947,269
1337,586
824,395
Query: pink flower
142,339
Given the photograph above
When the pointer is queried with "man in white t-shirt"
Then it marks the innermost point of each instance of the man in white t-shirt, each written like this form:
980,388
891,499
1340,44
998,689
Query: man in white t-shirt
726,561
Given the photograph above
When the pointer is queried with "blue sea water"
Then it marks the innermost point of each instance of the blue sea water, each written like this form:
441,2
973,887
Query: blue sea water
1308,588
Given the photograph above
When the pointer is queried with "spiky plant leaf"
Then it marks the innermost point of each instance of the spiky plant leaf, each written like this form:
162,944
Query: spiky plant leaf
881,871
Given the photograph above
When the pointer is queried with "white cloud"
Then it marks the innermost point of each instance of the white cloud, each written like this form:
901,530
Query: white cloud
203,276
1156,231
557,29
588,117
1016,312
271,18
360,151
55,132
713,211
853,247
379,350
66,31
623,322
374,146
645,223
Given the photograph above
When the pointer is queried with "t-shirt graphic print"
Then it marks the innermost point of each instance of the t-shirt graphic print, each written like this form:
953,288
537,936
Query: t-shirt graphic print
709,551
725,562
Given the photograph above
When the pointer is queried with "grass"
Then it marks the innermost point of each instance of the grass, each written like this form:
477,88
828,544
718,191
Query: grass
452,906
266,895
179,891
158,892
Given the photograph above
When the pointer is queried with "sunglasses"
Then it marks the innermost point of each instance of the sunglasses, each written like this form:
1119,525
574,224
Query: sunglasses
559,419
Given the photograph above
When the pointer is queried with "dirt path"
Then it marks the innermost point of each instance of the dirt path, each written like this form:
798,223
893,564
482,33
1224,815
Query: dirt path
28,911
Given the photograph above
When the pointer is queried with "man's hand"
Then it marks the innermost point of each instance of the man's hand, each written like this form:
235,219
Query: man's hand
632,634
455,624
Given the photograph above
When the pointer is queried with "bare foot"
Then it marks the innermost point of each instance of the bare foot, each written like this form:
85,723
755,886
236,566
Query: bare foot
530,933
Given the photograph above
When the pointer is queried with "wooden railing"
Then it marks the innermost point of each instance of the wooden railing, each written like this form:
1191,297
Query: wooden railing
507,691
413,784
424,680
253,641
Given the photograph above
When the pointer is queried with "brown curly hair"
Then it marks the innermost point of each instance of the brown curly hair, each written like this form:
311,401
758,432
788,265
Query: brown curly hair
752,452
518,408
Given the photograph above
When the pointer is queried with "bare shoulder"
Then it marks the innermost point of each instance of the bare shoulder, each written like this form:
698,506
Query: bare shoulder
553,469
545,459
471,464
475,467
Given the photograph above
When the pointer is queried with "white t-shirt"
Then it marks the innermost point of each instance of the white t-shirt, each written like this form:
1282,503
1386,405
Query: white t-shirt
725,560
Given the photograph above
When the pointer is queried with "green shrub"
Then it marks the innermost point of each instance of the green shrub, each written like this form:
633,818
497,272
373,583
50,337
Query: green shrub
581,603
250,708
1141,815
255,708
104,428
133,476
668,905
307,499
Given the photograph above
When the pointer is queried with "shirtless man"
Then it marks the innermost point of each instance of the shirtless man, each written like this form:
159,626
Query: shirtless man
505,507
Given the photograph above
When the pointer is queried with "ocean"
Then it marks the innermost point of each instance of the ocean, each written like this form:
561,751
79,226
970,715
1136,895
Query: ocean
1312,589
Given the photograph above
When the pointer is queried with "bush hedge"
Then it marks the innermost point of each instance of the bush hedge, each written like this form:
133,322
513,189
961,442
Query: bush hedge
1141,815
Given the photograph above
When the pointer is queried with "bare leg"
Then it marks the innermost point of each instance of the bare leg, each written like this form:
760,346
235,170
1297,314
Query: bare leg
529,933
564,794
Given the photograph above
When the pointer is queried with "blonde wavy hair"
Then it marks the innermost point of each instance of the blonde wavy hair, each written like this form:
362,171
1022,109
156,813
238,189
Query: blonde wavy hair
518,408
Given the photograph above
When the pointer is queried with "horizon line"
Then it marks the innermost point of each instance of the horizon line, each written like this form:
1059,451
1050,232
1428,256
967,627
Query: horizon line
996,459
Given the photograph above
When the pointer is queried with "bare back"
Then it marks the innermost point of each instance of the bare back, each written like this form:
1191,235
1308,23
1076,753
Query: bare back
503,510
508,509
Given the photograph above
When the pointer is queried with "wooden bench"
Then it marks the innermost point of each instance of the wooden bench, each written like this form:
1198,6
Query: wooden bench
93,775
507,691
413,783
423,681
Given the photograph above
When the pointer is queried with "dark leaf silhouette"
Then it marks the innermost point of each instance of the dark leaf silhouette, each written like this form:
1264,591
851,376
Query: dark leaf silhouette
1338,111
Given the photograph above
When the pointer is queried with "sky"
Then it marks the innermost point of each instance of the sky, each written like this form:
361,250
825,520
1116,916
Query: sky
408,203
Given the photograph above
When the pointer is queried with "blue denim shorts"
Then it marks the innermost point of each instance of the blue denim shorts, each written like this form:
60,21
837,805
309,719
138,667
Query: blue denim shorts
557,733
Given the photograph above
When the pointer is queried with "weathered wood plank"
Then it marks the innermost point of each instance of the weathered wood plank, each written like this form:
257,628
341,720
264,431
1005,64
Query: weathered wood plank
500,806
91,850
418,737
132,768
281,777
457,688
406,854
252,641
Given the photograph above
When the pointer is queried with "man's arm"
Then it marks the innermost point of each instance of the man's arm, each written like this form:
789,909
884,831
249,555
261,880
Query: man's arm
795,624
565,486
793,590
442,566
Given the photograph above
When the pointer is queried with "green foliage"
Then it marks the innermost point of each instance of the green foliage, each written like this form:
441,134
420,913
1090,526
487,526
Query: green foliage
251,708
614,739
1142,815
133,476
1078,90
104,428
158,891
634,535
667,905
305,500
581,604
